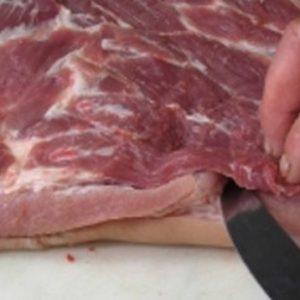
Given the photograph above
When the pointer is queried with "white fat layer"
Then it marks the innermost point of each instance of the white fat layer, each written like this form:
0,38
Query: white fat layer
219,4
202,119
79,87
243,45
117,110
104,151
266,50
120,22
72,91
248,172
62,62
40,177
97,131
37,178
199,118
113,45
64,20
15,33
21,148
16,3
199,66
41,32
202,68
37,33
91,188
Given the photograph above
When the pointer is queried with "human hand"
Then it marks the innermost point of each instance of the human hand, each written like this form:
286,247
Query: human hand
280,108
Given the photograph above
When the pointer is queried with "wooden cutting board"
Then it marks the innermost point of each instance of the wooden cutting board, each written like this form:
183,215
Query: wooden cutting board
120,271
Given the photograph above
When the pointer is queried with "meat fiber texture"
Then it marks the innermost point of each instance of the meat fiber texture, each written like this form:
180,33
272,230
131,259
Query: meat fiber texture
140,94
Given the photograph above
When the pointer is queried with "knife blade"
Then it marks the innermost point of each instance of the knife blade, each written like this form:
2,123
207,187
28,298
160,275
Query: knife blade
269,253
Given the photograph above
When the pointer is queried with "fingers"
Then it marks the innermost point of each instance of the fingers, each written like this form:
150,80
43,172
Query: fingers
290,161
281,100
281,104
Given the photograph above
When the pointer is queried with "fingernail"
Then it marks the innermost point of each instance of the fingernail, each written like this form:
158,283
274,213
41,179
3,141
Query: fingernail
285,166
267,148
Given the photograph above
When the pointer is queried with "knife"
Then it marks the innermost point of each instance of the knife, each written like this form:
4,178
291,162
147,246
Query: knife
269,253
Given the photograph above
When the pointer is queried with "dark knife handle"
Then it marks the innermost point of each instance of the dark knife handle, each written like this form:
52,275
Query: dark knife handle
270,254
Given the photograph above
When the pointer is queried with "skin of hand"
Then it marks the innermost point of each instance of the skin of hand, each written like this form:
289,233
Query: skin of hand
280,108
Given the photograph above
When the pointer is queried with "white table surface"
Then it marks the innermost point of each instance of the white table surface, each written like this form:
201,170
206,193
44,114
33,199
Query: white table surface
122,271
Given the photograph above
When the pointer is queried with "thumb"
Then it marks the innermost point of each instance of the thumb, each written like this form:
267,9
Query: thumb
290,160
